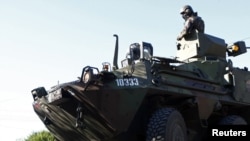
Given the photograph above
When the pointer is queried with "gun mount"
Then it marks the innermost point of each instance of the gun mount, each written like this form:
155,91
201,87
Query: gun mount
200,45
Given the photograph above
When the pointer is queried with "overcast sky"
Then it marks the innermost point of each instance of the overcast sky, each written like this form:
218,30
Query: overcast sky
43,42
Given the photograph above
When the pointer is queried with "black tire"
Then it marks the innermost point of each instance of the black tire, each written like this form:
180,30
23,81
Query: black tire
233,120
166,124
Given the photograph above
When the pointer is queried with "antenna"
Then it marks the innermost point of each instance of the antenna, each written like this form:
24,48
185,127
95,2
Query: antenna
115,65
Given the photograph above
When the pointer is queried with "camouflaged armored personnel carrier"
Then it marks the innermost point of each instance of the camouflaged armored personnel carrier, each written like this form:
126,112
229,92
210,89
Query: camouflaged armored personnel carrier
151,98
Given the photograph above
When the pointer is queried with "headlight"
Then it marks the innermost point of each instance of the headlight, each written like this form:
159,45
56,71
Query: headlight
87,77
235,48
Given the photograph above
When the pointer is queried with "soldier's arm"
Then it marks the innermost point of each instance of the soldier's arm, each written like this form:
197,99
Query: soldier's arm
186,29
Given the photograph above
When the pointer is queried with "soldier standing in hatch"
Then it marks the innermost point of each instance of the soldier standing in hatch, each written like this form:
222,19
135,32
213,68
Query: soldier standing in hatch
192,21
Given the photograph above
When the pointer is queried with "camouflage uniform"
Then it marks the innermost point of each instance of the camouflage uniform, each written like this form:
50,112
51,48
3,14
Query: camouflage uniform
192,22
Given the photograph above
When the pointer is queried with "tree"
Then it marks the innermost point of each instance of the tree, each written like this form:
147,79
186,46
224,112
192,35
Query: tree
41,136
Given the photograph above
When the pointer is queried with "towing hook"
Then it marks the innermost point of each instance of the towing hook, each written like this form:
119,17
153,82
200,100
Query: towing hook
156,80
79,117
46,121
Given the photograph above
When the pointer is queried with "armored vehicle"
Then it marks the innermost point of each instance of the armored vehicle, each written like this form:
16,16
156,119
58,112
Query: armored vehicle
151,98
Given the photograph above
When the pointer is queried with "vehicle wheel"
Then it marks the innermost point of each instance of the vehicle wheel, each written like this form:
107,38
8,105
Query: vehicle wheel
166,124
233,120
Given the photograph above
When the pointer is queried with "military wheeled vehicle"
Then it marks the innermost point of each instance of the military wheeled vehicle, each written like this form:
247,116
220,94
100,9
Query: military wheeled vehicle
151,98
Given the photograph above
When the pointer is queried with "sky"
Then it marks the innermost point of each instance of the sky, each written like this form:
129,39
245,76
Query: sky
46,42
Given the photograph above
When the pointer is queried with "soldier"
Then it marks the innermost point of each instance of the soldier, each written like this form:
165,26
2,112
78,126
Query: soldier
192,21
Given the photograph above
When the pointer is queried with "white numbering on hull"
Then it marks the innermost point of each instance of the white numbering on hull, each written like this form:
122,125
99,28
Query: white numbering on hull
127,82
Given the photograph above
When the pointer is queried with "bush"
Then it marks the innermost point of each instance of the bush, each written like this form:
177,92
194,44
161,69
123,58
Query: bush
41,136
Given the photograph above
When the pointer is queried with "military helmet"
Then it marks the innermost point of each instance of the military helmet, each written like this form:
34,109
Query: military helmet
186,9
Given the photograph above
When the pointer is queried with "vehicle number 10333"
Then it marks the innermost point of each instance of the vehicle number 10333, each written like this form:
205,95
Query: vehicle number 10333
127,82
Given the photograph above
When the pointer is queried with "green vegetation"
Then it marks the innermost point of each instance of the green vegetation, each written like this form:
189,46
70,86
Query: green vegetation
40,136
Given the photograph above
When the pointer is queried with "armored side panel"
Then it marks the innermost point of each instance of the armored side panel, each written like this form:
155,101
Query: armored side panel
242,85
198,45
